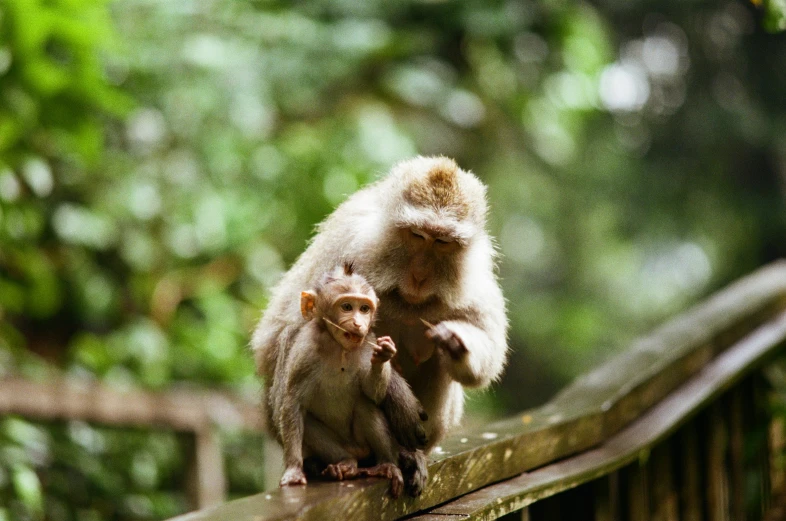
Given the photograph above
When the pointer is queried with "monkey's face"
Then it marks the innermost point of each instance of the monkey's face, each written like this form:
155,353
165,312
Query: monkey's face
354,313
430,262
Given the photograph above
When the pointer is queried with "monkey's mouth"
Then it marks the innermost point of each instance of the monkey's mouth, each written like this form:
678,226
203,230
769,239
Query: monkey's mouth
415,297
353,337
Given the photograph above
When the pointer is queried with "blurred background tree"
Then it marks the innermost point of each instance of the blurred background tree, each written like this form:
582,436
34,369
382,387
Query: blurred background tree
161,164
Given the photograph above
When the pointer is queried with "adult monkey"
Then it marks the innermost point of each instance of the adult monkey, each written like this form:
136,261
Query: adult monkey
418,236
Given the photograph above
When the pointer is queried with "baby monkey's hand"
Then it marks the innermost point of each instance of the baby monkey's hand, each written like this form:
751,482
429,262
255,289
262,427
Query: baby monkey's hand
384,350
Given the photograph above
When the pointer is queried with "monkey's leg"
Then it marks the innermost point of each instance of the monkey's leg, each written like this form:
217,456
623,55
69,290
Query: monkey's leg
324,443
371,427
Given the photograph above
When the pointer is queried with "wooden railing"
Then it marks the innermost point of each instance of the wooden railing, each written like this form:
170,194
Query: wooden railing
195,413
676,427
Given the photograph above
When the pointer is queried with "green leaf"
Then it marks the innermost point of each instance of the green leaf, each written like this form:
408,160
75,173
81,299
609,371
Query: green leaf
774,15
28,487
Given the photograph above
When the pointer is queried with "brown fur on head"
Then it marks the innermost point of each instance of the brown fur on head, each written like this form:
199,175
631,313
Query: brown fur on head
343,279
437,194
338,281
439,188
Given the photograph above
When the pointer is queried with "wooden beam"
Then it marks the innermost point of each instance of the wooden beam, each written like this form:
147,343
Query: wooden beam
61,398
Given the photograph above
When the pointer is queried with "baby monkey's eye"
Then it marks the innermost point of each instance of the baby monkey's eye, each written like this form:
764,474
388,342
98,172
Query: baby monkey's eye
365,308
346,306
442,240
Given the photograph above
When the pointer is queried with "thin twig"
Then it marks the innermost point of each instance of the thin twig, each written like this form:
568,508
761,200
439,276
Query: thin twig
427,323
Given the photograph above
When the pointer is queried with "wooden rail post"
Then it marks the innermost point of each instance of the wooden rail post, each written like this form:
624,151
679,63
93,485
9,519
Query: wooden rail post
205,468
717,476
607,501
692,487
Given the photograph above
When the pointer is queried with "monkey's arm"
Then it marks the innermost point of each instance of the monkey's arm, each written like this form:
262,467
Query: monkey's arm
291,414
374,382
475,344
291,427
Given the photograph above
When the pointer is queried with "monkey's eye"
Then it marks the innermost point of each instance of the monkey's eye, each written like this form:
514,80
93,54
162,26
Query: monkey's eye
442,240
418,234
365,308
346,306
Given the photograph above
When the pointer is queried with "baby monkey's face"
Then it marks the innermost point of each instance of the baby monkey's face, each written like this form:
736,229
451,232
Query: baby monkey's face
354,313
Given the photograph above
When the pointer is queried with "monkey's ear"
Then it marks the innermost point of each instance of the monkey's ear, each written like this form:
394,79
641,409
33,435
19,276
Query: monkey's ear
307,301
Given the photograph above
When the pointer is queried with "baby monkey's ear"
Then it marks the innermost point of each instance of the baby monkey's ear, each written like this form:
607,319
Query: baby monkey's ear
307,301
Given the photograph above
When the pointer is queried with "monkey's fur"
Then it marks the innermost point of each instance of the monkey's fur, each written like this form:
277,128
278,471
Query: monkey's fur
418,236
337,373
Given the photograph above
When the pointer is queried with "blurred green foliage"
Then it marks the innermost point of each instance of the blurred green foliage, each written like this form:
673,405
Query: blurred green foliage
161,163
774,14
54,86
89,473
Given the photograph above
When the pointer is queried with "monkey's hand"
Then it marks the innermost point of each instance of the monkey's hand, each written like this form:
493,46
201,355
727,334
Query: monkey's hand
384,350
293,476
447,340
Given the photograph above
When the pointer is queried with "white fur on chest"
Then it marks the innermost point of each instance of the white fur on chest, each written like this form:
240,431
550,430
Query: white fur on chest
334,400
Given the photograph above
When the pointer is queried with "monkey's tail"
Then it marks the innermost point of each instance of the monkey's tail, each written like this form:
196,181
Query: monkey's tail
405,414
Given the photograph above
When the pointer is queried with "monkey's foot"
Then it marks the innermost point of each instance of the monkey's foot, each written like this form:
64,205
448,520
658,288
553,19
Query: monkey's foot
415,468
387,471
342,470
293,476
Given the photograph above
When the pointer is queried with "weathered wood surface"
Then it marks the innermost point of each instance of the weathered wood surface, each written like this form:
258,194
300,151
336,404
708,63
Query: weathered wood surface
590,412
635,442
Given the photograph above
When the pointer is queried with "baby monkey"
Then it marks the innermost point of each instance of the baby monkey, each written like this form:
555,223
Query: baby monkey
335,376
